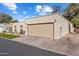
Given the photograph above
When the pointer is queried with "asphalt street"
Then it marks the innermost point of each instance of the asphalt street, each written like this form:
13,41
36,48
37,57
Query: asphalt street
11,48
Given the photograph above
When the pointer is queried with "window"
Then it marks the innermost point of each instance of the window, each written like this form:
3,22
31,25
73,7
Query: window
21,26
15,28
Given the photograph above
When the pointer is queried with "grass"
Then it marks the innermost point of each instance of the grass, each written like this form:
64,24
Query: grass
7,36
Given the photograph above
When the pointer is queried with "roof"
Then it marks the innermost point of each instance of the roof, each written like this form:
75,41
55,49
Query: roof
45,18
19,22
42,19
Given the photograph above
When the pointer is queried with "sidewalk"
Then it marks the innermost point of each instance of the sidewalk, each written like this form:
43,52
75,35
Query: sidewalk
68,45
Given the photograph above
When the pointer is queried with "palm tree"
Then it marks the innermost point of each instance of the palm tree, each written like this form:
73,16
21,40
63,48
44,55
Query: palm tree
5,18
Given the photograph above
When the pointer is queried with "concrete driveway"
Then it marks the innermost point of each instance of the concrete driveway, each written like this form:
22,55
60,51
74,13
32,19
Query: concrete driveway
11,48
68,45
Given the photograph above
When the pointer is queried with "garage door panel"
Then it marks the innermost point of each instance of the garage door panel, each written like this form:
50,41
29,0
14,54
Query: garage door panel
43,30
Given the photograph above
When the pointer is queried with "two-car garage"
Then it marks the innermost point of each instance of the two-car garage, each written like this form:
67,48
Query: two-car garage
41,29
51,26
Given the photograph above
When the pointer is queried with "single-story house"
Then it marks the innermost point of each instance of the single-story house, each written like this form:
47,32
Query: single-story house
51,26
9,27
3,27
18,27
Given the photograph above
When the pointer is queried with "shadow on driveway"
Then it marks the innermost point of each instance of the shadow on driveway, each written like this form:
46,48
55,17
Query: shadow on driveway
11,48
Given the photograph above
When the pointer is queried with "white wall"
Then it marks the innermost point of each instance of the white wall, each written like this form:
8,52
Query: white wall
18,26
25,27
3,27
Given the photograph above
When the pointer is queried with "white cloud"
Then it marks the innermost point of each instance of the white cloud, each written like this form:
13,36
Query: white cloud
43,10
24,12
31,16
38,8
27,17
15,12
47,9
11,6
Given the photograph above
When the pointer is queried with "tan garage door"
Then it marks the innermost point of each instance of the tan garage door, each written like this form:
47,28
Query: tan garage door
43,30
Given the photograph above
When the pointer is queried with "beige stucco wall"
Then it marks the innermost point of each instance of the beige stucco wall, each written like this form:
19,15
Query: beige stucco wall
61,25
41,19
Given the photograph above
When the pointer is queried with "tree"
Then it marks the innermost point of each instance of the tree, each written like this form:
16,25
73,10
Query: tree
5,18
75,22
13,21
72,14
72,11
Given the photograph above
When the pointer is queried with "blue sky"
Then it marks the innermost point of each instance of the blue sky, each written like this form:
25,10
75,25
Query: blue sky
22,11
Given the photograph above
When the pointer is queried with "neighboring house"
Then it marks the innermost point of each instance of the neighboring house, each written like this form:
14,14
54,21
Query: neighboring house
3,27
6,27
9,27
51,26
18,27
